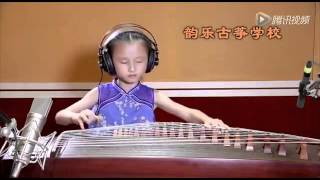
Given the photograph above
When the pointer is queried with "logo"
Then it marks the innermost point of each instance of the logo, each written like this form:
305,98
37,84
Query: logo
262,19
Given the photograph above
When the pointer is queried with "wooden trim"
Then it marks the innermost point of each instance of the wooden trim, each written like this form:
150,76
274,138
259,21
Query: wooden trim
172,89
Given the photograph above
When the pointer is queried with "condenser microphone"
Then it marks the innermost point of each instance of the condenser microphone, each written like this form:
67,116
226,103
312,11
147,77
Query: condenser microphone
303,84
30,133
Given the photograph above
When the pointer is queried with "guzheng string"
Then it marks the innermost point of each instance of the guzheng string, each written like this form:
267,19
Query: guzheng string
173,133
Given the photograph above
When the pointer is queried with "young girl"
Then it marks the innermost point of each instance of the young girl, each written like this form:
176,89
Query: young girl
127,52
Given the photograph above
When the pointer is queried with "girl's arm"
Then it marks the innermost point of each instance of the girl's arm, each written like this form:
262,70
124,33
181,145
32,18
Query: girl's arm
79,113
188,114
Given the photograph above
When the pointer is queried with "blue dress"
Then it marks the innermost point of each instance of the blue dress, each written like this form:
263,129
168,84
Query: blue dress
118,107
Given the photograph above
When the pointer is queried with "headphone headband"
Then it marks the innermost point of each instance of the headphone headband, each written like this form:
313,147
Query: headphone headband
121,28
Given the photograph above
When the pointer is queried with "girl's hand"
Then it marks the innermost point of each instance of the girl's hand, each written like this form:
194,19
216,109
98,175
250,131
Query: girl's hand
86,116
211,122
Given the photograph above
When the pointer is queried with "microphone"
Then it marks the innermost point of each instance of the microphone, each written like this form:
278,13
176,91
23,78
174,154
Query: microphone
30,133
303,84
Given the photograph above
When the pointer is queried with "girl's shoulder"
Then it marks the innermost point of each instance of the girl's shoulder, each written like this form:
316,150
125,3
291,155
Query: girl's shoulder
104,84
145,87
107,91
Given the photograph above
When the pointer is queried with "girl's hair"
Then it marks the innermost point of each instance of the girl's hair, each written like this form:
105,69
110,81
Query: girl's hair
129,37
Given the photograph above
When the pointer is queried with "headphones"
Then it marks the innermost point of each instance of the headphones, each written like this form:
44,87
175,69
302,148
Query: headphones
105,60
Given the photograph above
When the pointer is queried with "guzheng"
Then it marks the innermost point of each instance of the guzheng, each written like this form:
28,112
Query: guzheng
184,140
174,149
181,143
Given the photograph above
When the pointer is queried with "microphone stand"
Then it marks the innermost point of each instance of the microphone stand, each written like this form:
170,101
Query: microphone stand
313,88
9,149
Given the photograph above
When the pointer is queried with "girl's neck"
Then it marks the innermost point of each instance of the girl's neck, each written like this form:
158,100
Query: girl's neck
126,86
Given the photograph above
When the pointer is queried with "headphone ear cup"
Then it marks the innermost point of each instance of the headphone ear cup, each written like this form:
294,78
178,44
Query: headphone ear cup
105,62
109,67
101,60
156,58
152,61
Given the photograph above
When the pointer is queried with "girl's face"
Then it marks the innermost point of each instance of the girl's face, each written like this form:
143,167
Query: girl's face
130,60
